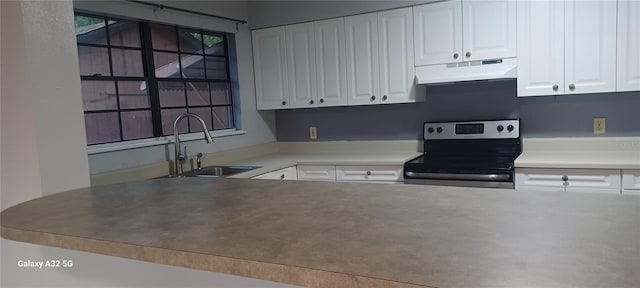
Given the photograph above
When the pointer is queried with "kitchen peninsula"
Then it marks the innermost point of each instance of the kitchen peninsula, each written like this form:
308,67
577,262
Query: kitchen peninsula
327,234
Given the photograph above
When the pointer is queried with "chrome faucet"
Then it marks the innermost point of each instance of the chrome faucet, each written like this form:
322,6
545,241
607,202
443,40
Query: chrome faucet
179,156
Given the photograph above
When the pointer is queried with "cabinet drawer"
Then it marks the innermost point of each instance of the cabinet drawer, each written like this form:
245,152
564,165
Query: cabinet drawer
288,173
317,173
369,173
573,180
631,182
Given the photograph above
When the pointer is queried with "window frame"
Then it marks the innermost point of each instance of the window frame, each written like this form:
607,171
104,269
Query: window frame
152,85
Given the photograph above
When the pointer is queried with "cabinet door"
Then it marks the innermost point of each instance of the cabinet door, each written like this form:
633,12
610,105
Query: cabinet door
269,61
369,173
317,173
540,47
438,32
330,62
397,70
363,69
590,46
301,48
628,45
569,180
489,29
631,182
288,173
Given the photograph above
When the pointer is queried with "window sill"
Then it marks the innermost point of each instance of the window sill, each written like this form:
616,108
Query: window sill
125,145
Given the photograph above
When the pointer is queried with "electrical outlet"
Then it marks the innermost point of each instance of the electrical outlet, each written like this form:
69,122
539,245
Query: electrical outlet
599,125
313,133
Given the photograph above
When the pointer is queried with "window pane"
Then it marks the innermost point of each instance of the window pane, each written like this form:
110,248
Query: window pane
171,93
136,125
124,33
190,41
192,66
93,61
222,118
166,65
99,95
133,94
214,45
220,94
168,117
102,127
90,30
127,62
197,93
216,67
163,37
205,114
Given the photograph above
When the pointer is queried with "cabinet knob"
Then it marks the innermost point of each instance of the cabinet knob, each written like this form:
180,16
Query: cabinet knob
321,100
384,98
311,101
284,103
555,87
368,173
572,87
455,55
468,54
565,178
282,176
373,98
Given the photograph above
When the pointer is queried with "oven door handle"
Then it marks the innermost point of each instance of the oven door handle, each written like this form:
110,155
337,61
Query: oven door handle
452,176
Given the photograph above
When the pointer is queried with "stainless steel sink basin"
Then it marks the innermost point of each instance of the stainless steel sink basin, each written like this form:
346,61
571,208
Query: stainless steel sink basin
219,171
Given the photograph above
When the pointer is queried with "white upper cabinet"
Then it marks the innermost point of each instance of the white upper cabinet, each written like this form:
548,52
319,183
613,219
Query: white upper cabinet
269,57
590,46
395,45
456,31
438,32
301,50
489,29
331,65
363,68
628,45
540,47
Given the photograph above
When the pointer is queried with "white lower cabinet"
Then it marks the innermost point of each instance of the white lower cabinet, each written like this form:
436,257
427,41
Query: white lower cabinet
288,173
569,180
316,173
389,174
631,182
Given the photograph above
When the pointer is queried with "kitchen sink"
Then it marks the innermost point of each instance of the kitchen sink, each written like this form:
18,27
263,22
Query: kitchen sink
219,171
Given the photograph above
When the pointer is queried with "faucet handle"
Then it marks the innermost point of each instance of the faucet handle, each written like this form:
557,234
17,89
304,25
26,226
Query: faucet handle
199,161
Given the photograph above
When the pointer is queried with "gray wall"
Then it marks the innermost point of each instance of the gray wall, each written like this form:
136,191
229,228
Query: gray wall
546,116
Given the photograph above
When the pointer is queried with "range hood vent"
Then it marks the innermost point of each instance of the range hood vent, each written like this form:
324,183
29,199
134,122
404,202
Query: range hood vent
467,71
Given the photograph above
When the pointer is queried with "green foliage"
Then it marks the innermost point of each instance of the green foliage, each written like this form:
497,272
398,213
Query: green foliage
82,21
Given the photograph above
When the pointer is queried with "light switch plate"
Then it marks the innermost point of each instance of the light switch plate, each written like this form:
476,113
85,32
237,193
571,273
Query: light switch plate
599,125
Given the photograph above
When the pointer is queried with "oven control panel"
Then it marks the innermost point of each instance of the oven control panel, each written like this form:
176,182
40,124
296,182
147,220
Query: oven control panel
498,129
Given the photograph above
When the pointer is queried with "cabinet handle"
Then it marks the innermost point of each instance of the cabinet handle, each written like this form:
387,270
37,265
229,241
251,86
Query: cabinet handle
384,98
368,173
555,87
284,103
311,101
565,178
321,100
282,176
572,87
468,54
455,55
373,98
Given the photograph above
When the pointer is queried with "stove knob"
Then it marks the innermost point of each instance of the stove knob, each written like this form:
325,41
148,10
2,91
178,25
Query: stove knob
430,130
439,129
500,128
510,128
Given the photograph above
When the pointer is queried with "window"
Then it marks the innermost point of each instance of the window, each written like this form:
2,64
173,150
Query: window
137,77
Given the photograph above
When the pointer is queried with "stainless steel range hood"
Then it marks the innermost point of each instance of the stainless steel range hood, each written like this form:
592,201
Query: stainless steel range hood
467,71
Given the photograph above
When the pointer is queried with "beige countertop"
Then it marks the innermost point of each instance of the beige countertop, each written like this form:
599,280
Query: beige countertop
328,234
591,153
